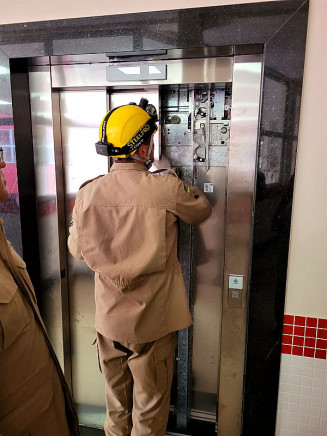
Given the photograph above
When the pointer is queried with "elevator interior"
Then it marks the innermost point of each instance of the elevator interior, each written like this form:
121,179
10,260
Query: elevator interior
209,111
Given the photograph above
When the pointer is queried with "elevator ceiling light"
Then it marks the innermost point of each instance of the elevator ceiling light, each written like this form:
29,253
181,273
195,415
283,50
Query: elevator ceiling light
154,70
136,72
129,70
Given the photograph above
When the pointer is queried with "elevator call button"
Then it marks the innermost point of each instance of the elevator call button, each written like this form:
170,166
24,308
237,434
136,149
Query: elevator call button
235,282
235,291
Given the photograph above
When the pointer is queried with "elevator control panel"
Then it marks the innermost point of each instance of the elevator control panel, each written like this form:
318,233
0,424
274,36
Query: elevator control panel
235,291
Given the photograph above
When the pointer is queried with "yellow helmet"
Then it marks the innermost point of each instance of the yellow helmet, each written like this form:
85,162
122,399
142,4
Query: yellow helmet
125,128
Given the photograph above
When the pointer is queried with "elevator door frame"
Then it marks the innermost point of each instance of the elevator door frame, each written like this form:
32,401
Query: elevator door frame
243,185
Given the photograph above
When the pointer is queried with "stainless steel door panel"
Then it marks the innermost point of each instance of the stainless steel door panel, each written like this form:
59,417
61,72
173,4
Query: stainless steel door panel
46,191
209,252
238,242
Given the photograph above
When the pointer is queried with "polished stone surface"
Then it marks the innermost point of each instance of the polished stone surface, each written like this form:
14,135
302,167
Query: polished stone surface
195,27
280,26
284,61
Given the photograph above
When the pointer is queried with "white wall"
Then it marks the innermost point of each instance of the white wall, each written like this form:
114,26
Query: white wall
20,11
307,288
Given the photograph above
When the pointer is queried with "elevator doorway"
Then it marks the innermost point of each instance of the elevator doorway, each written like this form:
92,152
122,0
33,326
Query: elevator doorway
207,134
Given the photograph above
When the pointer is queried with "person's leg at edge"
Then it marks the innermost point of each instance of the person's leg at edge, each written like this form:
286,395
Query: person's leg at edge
118,386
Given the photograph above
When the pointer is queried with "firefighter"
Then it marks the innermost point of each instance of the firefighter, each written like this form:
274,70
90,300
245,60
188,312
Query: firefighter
124,226
34,396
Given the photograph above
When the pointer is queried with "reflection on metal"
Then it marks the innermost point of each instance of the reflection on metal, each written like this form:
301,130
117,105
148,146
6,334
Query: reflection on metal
208,285
62,237
79,131
239,214
211,70
46,192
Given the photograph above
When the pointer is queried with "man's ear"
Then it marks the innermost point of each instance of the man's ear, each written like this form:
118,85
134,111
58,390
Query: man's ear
143,151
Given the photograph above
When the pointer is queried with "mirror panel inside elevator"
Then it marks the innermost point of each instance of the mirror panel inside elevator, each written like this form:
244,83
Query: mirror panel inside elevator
199,118
79,115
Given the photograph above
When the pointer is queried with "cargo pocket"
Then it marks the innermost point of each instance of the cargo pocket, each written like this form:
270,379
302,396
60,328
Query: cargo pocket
14,317
164,361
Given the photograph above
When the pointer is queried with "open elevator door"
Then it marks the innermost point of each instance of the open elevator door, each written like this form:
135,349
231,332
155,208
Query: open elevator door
208,111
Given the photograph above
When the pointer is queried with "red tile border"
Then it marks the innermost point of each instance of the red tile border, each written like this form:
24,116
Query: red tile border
287,340
322,334
311,332
298,340
288,329
321,343
298,351
286,349
309,352
320,354
299,320
305,336
288,319
310,342
299,331
311,322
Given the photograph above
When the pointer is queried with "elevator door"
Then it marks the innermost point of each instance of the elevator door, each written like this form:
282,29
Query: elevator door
79,130
208,135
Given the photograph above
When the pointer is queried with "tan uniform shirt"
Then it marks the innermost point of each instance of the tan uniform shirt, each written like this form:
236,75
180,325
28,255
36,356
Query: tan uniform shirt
34,396
125,227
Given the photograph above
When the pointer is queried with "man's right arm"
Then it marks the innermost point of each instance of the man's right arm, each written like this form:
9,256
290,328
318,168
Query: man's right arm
192,206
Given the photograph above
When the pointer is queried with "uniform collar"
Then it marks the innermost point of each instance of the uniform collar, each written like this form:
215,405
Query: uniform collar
128,167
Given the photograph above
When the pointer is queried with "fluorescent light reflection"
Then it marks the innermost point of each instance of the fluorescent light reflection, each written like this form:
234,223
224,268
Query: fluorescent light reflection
130,70
154,70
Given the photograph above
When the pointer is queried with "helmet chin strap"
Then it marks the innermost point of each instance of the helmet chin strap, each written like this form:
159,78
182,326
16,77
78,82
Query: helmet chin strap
148,162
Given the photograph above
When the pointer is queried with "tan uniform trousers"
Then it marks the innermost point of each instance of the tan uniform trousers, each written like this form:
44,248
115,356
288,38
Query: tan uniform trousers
138,381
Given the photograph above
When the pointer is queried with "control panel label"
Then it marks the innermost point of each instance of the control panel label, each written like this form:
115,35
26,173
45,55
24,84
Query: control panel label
208,187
